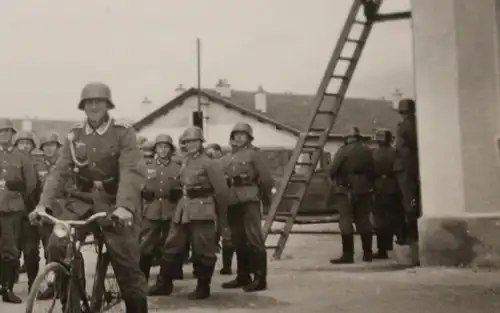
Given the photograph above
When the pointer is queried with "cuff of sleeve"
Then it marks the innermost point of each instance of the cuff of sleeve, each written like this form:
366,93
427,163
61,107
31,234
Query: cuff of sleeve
126,205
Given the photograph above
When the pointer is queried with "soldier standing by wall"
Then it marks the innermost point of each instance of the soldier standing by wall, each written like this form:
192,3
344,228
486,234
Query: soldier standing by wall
205,200
251,182
387,205
352,169
104,155
159,201
30,240
49,144
407,168
17,182
214,151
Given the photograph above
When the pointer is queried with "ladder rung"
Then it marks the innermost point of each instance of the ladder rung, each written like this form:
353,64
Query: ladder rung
317,130
360,22
312,146
356,41
328,94
291,197
272,247
340,77
304,164
326,112
346,59
277,231
298,180
284,214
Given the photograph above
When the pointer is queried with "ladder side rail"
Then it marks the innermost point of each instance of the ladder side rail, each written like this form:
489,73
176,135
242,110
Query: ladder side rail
289,170
336,54
317,103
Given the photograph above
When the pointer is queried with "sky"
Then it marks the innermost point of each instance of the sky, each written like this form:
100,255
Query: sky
50,49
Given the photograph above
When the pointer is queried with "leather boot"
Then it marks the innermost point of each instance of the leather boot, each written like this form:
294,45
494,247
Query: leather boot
390,241
10,268
136,305
227,260
31,272
260,275
204,276
347,251
243,272
164,285
145,265
381,246
366,244
202,290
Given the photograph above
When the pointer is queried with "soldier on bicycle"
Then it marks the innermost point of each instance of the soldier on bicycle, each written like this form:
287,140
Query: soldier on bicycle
104,156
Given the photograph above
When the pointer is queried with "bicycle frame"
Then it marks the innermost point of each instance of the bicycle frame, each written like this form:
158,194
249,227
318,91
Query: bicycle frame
72,249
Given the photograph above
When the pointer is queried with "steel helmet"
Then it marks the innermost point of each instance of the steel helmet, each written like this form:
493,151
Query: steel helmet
383,135
242,128
96,91
7,124
213,146
164,138
26,135
406,106
192,133
49,138
353,132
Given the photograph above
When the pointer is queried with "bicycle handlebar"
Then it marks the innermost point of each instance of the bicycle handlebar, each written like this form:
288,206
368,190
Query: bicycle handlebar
89,220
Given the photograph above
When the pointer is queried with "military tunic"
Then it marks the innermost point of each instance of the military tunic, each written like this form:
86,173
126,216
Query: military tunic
251,183
106,164
353,171
206,197
160,202
406,166
387,210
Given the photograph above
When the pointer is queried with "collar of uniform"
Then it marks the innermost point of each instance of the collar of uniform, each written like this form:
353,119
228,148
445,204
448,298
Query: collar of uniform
100,130
161,161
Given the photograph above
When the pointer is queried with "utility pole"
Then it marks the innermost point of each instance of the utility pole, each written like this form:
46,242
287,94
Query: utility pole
198,115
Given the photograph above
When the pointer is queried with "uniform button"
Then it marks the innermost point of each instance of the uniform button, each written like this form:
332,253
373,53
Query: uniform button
161,190
94,149
94,164
4,170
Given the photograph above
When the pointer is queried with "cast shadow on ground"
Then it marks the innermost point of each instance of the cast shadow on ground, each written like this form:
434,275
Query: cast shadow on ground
356,268
220,300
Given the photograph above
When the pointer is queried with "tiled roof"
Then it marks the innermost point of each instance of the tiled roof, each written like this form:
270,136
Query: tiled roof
291,112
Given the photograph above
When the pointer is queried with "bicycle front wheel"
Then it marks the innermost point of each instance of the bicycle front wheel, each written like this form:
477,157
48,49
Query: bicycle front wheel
44,279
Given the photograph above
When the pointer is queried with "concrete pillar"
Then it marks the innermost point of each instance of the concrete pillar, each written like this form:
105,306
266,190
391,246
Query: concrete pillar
456,58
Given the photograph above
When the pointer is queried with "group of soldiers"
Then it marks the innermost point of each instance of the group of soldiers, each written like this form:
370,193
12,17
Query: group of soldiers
167,203
21,179
378,190
223,201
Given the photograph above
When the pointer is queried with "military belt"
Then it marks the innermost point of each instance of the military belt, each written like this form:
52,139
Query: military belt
194,193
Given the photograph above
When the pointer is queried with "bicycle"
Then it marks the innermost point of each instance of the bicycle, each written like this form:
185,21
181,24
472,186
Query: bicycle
71,271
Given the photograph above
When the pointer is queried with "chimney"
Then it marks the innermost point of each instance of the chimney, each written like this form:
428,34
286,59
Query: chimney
27,124
260,99
179,90
223,88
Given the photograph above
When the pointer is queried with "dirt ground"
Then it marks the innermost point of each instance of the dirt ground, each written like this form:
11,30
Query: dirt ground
304,281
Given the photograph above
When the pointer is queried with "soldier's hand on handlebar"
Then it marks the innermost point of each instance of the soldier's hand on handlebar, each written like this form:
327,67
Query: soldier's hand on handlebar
35,214
124,216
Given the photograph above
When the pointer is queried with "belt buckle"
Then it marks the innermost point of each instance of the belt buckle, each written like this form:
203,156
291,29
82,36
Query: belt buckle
184,192
99,185
2,184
